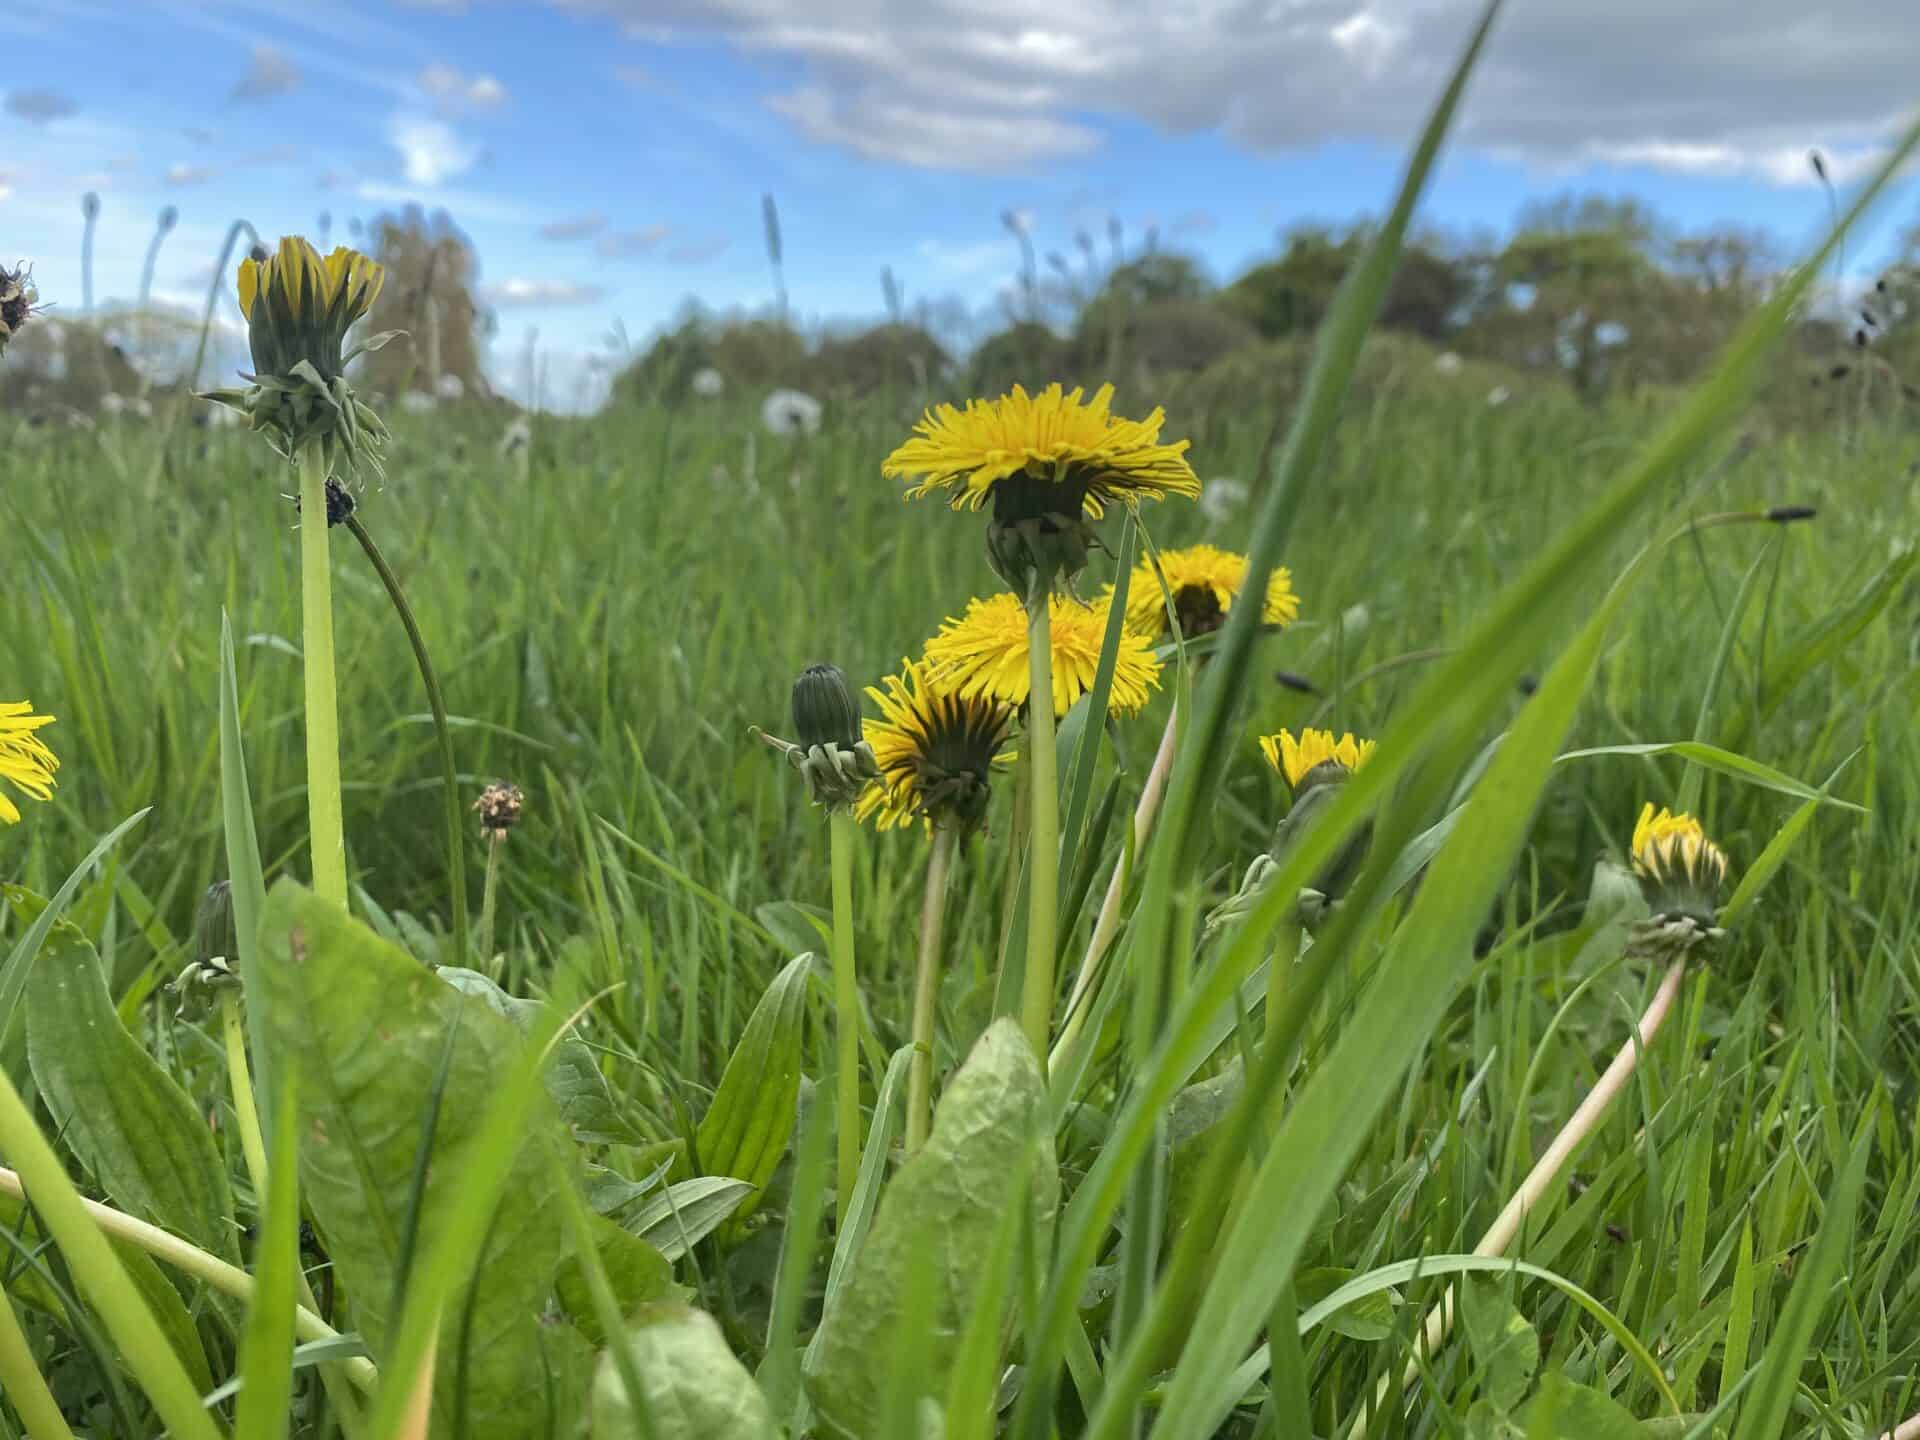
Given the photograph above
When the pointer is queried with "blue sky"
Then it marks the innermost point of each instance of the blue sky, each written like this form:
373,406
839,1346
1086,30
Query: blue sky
607,157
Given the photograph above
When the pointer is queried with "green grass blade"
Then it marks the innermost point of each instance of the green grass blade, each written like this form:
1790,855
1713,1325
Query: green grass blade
266,1346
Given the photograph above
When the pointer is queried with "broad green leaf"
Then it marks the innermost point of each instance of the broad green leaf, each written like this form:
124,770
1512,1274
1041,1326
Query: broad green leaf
368,1026
1566,1411
992,1133
694,1387
747,1128
580,1091
639,1274
686,1212
13,970
115,1109
1506,1349
796,928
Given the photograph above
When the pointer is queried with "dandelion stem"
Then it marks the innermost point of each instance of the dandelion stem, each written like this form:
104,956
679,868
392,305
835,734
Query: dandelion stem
489,888
22,1383
253,1144
1546,1170
926,986
1107,924
846,1001
449,774
1043,868
325,825
1286,950
185,1256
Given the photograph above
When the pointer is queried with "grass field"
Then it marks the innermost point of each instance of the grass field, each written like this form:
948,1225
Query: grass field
1255,1124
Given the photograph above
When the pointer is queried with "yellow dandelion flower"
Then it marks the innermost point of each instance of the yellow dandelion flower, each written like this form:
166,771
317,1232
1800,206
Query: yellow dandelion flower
1669,848
1203,581
1296,759
25,760
936,750
985,652
1050,462
299,308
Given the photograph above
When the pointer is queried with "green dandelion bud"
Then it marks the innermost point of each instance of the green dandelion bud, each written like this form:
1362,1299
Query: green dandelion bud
824,712
299,308
831,756
216,946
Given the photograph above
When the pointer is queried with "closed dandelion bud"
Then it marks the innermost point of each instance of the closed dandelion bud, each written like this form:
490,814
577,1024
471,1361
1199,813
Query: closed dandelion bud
1316,767
216,940
299,308
823,708
216,946
831,754
1681,872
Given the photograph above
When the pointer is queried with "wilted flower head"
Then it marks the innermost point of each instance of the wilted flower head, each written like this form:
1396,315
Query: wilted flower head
25,760
790,412
499,808
1050,463
17,299
1314,751
1203,581
1681,871
936,750
986,652
299,308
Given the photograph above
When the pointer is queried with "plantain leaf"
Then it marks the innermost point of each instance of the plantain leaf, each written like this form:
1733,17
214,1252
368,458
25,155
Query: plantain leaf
749,1124
368,1027
579,1089
695,1388
940,1216
115,1109
639,1274
1566,1411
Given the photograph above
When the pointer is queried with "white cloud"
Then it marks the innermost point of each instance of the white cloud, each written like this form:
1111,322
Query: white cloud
1743,87
452,87
270,74
541,292
37,107
189,174
574,227
430,152
634,242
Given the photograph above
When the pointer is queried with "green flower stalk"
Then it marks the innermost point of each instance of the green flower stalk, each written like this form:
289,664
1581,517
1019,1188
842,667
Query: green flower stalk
299,309
499,808
837,764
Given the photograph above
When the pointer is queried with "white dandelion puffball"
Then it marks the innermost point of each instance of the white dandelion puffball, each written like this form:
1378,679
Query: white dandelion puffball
790,412
450,387
518,436
418,402
113,402
1221,500
708,383
1447,363
1499,395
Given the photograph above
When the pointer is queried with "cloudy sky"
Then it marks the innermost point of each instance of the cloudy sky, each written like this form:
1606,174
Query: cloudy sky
608,156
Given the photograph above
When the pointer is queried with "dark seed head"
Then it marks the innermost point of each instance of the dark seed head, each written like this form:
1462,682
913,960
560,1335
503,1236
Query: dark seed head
1787,514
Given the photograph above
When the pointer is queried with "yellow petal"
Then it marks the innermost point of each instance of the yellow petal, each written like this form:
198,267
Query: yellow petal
249,284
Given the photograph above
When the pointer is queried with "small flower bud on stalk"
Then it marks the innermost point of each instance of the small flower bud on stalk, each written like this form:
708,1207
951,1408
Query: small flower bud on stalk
499,808
831,755
216,947
1681,874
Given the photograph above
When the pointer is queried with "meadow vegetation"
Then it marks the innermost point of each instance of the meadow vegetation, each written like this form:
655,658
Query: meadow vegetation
705,1114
